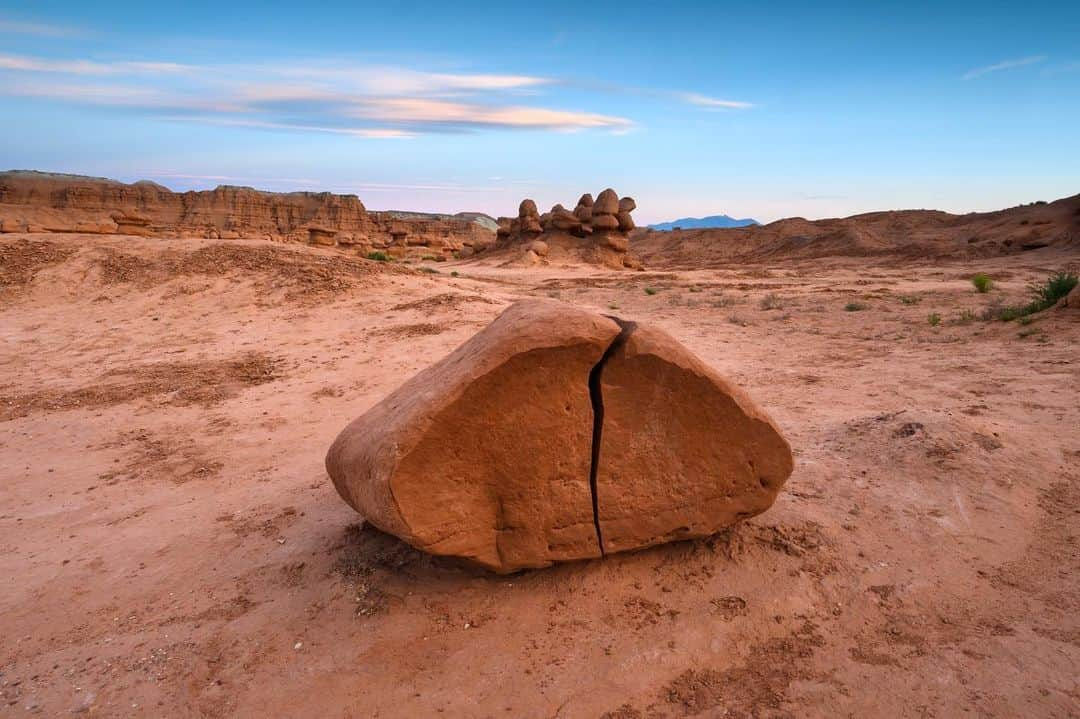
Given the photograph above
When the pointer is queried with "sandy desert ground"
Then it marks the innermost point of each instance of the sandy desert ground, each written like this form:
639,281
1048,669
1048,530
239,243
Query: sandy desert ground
172,546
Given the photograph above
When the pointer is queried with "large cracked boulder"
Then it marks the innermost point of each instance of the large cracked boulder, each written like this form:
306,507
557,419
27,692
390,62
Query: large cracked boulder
556,434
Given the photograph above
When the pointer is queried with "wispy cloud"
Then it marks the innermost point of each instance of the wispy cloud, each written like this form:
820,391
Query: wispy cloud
693,98
16,27
421,111
378,133
1004,65
361,101
711,102
87,67
324,96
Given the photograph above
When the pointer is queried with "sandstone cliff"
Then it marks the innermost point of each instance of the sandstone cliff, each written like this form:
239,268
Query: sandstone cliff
44,202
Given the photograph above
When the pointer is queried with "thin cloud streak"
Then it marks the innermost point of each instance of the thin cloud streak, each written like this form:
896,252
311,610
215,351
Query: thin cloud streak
87,67
376,133
1004,65
705,101
37,29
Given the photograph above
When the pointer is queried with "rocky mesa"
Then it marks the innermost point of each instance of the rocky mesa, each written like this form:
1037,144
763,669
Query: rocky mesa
45,202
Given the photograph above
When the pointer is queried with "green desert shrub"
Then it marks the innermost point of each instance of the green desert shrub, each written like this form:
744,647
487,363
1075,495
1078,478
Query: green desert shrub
934,319
1056,286
379,256
1043,296
982,282
854,307
650,290
910,299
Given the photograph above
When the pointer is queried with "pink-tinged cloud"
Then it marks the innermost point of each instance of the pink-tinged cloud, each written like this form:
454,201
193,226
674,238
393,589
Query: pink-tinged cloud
427,111
705,101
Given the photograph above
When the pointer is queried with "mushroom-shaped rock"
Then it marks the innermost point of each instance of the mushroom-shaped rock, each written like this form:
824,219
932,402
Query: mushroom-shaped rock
607,203
627,204
564,221
586,200
527,208
513,491
683,452
583,212
531,224
652,445
605,222
626,222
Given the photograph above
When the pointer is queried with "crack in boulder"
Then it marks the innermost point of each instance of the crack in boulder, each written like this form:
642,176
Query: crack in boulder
597,396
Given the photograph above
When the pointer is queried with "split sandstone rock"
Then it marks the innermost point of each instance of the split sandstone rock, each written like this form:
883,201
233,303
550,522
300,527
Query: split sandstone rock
586,436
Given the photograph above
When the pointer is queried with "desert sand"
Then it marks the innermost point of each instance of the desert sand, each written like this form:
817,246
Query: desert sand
173,546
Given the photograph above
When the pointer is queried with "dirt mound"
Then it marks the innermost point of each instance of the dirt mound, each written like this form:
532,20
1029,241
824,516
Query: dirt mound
201,383
637,461
301,275
910,234
295,275
21,260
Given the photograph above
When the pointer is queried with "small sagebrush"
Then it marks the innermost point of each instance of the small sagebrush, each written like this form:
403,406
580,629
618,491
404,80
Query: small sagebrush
379,257
650,291
982,282
772,301
854,307
934,319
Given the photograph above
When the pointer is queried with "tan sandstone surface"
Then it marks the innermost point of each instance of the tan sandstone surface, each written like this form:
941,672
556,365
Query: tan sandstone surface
173,547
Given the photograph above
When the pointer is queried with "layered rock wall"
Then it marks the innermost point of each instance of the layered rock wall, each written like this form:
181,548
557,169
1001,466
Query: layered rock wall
41,202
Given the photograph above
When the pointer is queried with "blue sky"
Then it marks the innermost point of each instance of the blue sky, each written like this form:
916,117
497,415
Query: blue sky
751,109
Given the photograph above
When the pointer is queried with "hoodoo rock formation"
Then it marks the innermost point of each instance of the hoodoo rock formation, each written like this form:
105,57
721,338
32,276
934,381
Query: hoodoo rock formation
43,202
590,435
595,232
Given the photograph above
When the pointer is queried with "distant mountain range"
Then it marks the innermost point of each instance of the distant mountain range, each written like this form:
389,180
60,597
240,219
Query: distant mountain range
699,223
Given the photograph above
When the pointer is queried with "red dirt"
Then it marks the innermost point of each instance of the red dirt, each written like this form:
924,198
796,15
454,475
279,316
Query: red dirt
178,550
